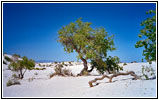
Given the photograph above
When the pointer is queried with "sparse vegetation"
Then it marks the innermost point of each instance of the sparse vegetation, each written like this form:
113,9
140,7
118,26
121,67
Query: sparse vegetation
60,71
8,59
148,72
124,64
110,65
21,66
12,82
4,62
39,68
14,76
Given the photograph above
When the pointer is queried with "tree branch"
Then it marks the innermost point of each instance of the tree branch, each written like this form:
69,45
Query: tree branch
132,73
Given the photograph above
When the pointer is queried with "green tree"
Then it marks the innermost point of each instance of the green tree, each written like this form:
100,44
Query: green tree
89,43
148,32
21,66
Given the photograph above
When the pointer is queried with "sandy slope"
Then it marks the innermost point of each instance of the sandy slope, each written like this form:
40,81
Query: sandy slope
42,86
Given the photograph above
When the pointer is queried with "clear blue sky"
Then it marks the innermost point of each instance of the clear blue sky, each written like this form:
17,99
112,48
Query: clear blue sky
32,29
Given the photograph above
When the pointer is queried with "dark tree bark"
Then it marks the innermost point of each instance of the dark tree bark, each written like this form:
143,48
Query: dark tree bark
132,73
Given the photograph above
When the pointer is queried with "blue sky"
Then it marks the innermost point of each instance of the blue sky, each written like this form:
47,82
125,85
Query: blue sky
32,29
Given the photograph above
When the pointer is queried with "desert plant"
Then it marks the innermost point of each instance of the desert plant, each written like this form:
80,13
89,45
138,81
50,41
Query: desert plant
39,64
63,63
14,76
21,66
8,59
67,72
4,62
149,43
124,64
148,72
62,71
110,65
12,82
87,42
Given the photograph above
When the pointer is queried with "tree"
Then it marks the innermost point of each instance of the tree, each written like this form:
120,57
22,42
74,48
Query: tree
21,66
149,31
89,43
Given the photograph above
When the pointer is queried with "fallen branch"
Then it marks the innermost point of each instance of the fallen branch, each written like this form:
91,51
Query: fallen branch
132,73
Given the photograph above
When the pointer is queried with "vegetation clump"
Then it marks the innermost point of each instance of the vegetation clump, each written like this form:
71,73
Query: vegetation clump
149,43
110,65
124,64
8,59
21,66
12,82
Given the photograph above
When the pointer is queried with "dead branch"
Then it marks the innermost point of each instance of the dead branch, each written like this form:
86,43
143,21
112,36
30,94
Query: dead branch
132,73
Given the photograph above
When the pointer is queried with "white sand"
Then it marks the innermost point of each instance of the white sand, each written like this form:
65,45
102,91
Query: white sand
43,86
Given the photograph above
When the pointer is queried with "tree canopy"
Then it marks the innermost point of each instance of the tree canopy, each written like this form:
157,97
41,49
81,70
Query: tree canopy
89,43
148,32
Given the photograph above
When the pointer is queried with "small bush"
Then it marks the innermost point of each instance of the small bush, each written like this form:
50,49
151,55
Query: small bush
63,63
148,72
66,72
62,71
39,64
9,83
55,62
14,76
12,82
4,62
39,68
124,64
8,59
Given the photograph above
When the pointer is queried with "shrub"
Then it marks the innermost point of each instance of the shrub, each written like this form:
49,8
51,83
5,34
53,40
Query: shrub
39,64
58,70
12,82
62,71
124,64
9,83
39,68
67,72
55,62
14,76
110,65
22,65
63,63
4,62
8,59
148,72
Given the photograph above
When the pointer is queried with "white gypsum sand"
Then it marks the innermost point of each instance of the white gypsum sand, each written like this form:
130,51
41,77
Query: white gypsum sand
42,86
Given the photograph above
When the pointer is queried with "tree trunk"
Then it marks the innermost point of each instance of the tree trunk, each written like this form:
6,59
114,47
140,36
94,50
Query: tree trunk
132,73
21,75
85,66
